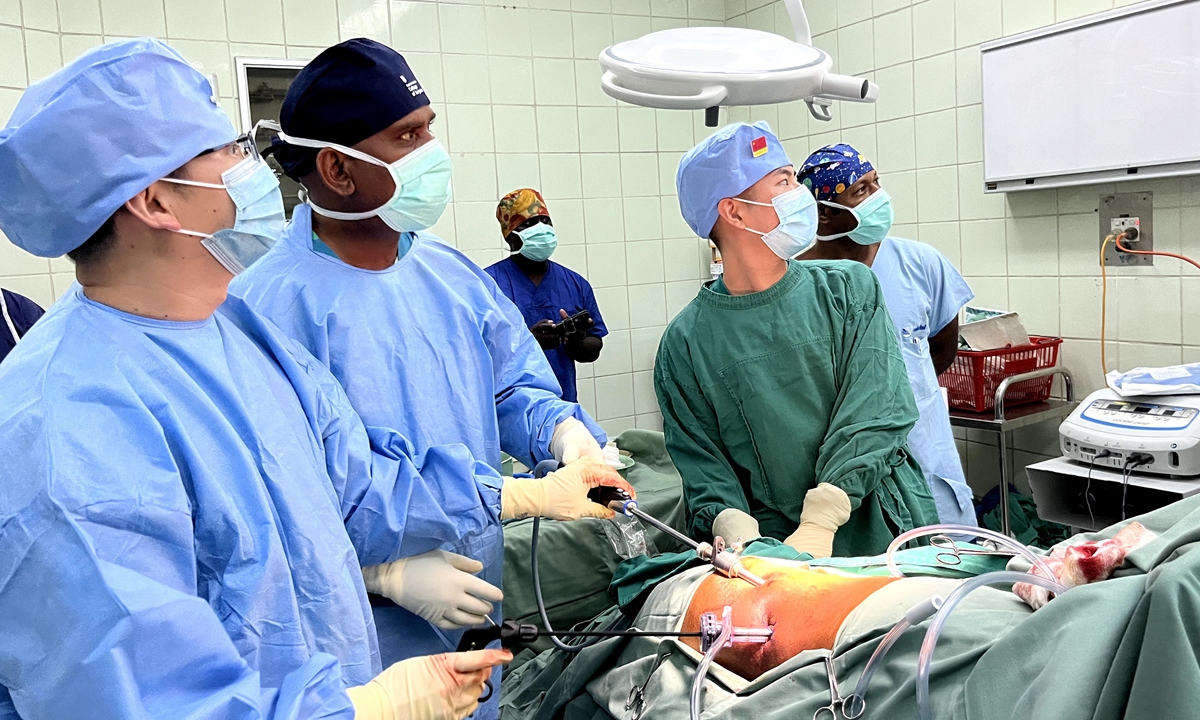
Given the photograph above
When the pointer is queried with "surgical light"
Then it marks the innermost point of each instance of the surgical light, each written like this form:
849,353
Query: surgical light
702,68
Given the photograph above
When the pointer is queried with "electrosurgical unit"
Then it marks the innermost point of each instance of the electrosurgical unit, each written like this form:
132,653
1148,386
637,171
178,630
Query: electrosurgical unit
1160,434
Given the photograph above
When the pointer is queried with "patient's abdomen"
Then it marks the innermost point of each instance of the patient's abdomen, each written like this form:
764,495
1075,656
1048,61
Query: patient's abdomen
803,607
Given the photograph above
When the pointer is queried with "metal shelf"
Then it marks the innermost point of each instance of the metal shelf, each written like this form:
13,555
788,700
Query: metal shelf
1004,420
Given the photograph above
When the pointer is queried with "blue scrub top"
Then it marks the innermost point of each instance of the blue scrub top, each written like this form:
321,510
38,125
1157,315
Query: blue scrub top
428,346
431,347
561,288
924,293
183,510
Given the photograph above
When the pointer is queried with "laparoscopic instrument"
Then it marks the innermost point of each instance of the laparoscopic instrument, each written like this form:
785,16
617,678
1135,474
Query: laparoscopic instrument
723,559
726,562
510,633
714,634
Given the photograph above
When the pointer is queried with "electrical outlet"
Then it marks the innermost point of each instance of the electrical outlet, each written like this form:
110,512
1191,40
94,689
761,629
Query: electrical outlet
1124,225
1123,212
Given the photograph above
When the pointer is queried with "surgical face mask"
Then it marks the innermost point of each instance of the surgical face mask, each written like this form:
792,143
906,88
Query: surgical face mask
538,242
797,213
260,217
874,216
422,184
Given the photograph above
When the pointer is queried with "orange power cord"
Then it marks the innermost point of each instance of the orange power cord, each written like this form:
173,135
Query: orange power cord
1184,258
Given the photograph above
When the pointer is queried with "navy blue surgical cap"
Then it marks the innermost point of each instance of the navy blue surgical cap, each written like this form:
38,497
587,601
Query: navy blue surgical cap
345,95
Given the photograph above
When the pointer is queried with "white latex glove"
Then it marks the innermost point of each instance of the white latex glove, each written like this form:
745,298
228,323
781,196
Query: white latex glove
562,494
438,586
431,687
826,508
612,455
572,441
733,524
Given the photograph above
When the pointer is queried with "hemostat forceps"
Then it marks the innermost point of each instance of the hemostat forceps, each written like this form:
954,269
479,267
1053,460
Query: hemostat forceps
637,695
836,702
952,555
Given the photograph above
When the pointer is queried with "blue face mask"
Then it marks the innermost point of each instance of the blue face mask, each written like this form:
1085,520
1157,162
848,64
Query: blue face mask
260,217
538,242
874,216
797,211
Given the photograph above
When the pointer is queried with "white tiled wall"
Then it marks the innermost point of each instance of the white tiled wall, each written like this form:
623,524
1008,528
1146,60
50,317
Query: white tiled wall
515,83
516,86
1033,252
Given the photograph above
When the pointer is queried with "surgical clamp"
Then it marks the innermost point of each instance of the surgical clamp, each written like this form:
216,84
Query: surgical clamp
952,555
637,695
836,702
724,561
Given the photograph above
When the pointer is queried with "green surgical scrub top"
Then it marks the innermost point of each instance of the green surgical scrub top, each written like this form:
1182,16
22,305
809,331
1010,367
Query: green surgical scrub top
766,395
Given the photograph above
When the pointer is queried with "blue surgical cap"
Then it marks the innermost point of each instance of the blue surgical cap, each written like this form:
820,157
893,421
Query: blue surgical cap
725,165
831,171
94,134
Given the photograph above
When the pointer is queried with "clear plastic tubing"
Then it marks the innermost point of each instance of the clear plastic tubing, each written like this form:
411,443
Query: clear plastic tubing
856,704
925,660
992,535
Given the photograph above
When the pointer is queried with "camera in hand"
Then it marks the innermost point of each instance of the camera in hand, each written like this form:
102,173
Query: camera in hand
577,324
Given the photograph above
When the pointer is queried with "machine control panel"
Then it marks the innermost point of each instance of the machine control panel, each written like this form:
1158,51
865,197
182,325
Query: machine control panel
1140,415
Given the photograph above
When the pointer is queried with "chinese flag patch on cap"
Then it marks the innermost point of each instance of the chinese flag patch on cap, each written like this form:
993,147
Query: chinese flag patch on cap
758,146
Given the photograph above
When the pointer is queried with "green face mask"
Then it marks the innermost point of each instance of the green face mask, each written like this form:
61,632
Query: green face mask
421,184
874,219
538,242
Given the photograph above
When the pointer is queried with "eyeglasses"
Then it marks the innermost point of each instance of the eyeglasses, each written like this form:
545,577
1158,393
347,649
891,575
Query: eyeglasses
241,148
246,147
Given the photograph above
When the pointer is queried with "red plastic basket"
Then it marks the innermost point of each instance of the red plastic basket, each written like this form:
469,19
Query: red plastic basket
972,380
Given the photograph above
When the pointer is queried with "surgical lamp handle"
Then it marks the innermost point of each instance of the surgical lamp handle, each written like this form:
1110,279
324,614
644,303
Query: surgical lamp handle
818,102
706,98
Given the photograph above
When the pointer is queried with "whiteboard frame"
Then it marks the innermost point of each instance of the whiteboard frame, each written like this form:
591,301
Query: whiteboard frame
1083,177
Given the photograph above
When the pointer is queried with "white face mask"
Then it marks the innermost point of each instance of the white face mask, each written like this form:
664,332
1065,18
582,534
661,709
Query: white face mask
797,211
422,184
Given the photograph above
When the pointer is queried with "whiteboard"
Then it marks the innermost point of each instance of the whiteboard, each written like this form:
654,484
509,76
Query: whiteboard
1108,97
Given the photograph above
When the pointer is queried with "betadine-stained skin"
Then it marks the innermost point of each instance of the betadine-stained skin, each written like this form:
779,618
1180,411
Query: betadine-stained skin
803,607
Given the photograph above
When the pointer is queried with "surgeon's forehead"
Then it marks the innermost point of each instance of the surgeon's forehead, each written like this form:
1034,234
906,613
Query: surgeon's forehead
415,120
787,171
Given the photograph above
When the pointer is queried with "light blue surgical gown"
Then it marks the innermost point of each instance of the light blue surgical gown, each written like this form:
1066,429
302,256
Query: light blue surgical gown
429,346
184,507
924,293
